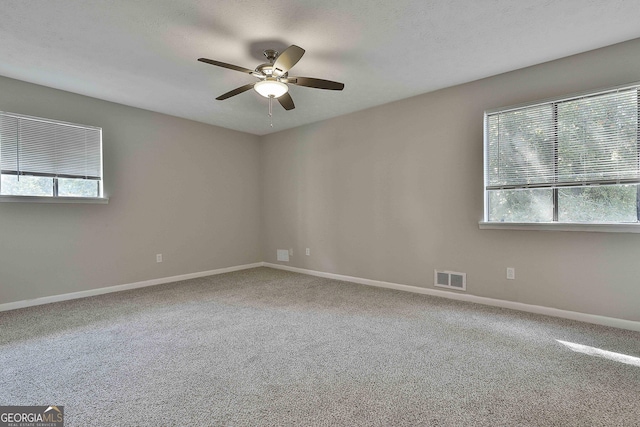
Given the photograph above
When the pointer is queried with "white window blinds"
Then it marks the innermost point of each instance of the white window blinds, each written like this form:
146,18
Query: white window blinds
584,140
42,147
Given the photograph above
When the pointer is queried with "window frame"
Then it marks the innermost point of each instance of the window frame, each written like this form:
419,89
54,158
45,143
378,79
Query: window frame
55,197
556,225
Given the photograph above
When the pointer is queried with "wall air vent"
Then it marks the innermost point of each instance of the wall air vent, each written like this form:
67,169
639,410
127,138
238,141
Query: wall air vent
282,255
450,280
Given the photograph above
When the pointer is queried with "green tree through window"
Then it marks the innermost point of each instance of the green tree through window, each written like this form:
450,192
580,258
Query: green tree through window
48,158
571,160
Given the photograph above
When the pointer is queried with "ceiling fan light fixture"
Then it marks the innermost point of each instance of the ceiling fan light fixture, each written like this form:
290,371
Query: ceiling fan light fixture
271,88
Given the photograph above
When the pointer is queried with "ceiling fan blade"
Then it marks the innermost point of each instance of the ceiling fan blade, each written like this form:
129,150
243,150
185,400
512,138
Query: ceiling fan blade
235,92
286,101
287,59
316,83
225,65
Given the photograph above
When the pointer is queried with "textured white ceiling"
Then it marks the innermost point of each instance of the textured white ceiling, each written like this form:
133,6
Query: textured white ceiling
143,52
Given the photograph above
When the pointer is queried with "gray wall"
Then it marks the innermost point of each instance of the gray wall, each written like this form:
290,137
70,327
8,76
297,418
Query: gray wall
393,192
184,189
389,193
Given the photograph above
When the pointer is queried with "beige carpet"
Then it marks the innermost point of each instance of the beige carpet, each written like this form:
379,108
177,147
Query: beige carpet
268,347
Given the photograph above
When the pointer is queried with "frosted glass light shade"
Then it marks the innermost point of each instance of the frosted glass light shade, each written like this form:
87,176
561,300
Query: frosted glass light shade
269,88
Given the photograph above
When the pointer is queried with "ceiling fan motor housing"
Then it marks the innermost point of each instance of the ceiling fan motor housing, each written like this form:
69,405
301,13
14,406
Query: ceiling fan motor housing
268,68
265,69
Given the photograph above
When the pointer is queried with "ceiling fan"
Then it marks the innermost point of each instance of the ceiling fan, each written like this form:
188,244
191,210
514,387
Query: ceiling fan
274,77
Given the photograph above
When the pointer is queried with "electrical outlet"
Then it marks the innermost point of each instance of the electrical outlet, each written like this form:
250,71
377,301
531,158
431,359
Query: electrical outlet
158,257
511,273
291,252
308,252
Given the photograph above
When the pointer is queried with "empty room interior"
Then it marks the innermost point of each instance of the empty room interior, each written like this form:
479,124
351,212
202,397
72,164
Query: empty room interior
438,225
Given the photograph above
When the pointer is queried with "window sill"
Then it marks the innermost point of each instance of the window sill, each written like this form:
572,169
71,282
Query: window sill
39,199
549,226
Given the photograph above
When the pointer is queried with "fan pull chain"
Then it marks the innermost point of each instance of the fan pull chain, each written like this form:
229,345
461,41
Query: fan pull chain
271,109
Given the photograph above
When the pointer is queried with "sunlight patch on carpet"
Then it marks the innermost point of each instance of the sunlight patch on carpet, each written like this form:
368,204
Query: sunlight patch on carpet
598,352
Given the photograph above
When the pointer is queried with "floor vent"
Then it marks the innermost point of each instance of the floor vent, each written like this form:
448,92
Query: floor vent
450,279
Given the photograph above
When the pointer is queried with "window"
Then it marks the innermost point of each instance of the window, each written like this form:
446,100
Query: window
573,160
47,158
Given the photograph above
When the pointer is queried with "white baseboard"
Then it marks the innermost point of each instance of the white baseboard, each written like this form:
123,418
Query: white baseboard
125,287
538,309
548,311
